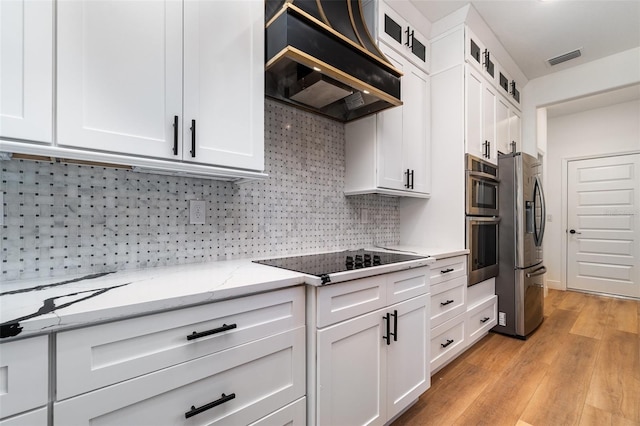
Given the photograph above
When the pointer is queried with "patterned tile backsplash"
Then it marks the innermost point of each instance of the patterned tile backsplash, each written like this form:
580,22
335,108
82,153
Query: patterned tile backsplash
66,218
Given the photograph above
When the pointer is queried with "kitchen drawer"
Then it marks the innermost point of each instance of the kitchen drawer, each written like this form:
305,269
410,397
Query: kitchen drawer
262,376
481,319
447,341
294,414
448,268
24,375
32,418
404,285
98,356
448,299
481,292
349,299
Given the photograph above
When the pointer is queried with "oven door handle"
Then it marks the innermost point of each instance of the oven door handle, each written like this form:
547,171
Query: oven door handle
540,271
483,176
478,219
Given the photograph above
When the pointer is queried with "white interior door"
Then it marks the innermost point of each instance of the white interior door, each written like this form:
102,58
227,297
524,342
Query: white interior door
603,246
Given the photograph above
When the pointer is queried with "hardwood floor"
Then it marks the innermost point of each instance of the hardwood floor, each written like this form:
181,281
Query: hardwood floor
581,367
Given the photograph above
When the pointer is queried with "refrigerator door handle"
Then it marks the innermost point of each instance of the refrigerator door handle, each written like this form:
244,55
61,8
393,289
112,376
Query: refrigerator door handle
540,271
539,233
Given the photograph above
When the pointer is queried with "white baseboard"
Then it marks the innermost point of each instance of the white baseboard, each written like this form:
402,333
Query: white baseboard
556,285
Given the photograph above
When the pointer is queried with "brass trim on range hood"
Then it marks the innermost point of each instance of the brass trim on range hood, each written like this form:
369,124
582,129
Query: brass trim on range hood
300,43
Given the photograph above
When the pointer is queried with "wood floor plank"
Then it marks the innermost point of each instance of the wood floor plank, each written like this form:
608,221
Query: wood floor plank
503,402
495,353
553,300
592,416
623,315
448,397
545,343
560,398
615,386
573,301
593,317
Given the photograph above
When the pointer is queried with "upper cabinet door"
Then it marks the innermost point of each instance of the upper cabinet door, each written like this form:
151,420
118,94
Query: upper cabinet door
224,83
416,144
26,70
120,75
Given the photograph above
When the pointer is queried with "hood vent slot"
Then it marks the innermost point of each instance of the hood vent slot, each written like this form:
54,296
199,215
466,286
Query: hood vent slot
565,57
320,57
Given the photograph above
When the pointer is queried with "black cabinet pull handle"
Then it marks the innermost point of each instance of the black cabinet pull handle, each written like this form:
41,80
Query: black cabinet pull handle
448,302
412,38
388,336
175,135
446,271
485,319
444,345
408,174
194,411
411,184
486,59
407,32
488,149
395,325
193,138
224,327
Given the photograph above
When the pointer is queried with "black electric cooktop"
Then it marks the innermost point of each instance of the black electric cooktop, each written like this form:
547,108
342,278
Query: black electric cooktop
323,264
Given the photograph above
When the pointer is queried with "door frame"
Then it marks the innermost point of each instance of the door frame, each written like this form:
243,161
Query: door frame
564,207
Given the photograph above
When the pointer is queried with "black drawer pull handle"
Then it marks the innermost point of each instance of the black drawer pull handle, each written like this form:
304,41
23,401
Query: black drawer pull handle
193,138
387,319
224,327
175,135
224,398
444,345
446,271
485,319
448,302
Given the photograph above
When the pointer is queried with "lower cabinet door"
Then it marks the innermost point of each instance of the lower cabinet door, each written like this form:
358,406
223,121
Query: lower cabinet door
351,377
235,386
408,354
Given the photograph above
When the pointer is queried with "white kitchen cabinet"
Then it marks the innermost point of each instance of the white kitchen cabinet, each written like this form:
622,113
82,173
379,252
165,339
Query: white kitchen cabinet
482,305
235,386
26,70
507,126
93,357
362,379
389,153
372,362
24,377
479,56
480,108
448,310
242,359
143,79
398,33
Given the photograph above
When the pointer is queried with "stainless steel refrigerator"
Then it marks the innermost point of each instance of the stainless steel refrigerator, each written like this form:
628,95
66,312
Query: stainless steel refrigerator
519,283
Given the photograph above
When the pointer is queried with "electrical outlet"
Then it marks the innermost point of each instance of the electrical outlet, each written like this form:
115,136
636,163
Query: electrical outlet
197,212
502,319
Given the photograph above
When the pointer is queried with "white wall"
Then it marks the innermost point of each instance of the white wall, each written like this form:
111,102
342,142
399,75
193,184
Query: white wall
619,70
607,130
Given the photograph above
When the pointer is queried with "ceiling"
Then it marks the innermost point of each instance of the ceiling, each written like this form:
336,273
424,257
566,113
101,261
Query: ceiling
533,31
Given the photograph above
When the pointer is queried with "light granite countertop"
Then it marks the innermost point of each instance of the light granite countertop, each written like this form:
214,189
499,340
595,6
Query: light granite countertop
30,307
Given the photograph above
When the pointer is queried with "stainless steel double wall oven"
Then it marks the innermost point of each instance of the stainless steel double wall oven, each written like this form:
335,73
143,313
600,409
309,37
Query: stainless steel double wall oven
482,187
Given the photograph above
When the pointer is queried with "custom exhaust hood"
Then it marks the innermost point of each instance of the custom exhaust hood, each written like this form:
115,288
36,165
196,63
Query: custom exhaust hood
320,57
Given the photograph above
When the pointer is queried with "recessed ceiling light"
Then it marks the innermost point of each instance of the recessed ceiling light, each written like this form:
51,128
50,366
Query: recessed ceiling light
316,69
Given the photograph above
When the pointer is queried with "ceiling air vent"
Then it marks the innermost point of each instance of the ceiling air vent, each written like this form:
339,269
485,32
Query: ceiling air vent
564,57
